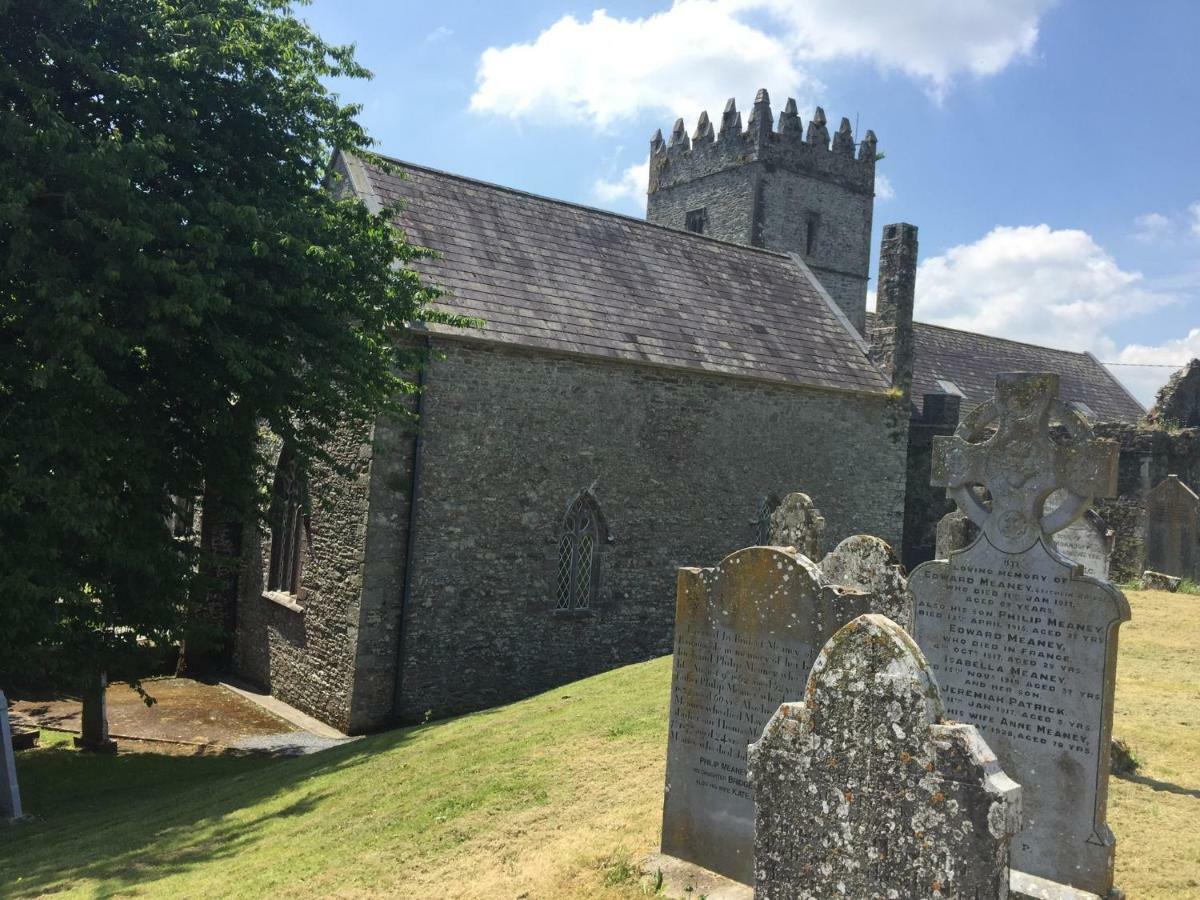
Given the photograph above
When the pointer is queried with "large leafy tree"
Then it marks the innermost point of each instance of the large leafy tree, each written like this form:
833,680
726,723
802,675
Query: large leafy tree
175,271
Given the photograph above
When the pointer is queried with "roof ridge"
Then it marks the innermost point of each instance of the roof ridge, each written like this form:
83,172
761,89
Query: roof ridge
687,235
996,337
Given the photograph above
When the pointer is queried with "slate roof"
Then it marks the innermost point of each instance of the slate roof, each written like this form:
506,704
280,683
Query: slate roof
971,361
555,276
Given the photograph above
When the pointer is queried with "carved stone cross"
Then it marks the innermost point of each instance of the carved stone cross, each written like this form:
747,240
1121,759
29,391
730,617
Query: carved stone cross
1022,464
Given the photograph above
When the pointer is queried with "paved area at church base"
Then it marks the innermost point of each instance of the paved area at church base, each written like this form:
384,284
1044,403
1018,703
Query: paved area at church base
189,717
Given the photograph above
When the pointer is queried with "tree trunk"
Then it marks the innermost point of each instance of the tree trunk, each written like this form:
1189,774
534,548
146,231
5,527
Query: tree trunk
94,736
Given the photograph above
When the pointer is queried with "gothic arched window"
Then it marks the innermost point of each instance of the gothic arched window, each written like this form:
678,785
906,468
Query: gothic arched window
580,540
289,526
761,523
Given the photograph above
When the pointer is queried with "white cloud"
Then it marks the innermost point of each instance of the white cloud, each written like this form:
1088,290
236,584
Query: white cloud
1194,211
883,187
1151,227
1154,364
698,52
1032,283
930,40
688,58
439,34
628,188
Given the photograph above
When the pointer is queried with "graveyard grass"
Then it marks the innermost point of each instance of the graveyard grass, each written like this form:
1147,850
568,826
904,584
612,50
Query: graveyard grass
554,797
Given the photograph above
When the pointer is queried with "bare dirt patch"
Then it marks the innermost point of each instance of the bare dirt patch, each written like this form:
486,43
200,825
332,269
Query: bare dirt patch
185,712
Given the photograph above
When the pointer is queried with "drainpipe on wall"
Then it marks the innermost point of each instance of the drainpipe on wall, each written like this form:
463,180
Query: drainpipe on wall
411,544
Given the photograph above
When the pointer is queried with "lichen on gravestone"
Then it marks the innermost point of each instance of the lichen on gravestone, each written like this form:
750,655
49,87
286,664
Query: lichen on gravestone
865,791
869,564
1023,646
797,522
746,634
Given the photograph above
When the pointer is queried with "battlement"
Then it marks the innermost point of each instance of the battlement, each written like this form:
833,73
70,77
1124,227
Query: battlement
790,146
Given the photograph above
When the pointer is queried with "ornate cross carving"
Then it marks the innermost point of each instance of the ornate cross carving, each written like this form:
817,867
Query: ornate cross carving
1021,464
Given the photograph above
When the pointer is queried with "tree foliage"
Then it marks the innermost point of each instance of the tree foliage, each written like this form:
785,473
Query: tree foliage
174,271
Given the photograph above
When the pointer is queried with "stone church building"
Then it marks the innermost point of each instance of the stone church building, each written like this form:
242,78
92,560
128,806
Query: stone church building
639,396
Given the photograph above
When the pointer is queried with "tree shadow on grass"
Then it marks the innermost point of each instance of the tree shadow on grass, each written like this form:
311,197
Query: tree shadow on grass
132,819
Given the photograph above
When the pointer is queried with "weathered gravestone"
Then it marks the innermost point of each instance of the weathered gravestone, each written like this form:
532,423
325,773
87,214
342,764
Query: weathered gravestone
865,791
797,523
1023,647
746,635
10,793
1173,528
869,564
954,532
1088,540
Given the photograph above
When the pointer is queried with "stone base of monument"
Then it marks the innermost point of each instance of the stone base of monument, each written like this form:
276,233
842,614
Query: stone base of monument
1023,886
683,880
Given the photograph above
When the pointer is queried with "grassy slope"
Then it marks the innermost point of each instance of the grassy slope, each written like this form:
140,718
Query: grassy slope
553,797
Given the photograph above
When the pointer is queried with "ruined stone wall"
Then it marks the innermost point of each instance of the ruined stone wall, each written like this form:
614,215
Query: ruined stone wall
679,463
334,657
1148,455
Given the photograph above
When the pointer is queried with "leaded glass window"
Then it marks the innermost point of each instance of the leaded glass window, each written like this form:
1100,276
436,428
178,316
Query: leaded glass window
289,526
579,542
761,523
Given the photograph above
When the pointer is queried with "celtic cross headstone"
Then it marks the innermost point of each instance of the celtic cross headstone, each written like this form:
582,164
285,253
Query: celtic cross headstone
1024,646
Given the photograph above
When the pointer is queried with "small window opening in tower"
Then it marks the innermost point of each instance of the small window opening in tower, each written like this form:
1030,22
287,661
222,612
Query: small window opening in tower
810,233
696,220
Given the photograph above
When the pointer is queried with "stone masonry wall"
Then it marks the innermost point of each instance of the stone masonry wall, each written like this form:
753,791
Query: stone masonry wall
1148,455
784,190
336,658
679,463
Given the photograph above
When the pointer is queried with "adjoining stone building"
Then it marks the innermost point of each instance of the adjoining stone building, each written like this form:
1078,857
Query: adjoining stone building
953,372
635,396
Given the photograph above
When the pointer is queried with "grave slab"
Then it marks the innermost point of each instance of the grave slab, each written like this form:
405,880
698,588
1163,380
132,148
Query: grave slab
870,565
1173,529
10,791
797,522
1023,647
746,634
865,791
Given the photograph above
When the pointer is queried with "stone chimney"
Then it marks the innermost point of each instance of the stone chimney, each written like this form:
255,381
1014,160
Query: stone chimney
892,332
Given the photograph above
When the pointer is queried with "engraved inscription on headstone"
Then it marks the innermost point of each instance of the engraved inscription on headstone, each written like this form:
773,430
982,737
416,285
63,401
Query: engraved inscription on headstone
1089,542
796,522
10,793
746,634
864,791
1173,529
1022,648
870,565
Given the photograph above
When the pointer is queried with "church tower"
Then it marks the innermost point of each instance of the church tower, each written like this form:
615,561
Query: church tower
782,189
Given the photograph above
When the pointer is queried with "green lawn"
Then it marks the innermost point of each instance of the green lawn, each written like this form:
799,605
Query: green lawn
556,796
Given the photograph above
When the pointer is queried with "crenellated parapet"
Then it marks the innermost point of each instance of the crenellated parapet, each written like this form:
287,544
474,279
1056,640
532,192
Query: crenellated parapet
788,145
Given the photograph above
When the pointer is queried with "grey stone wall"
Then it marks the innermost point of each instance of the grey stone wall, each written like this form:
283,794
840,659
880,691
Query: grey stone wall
1148,455
335,658
679,462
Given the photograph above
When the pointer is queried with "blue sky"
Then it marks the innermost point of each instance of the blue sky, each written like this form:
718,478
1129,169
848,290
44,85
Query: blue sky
1046,150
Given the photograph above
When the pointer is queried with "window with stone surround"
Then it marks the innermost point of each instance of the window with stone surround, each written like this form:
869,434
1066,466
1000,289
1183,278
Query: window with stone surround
580,540
696,220
761,523
289,527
